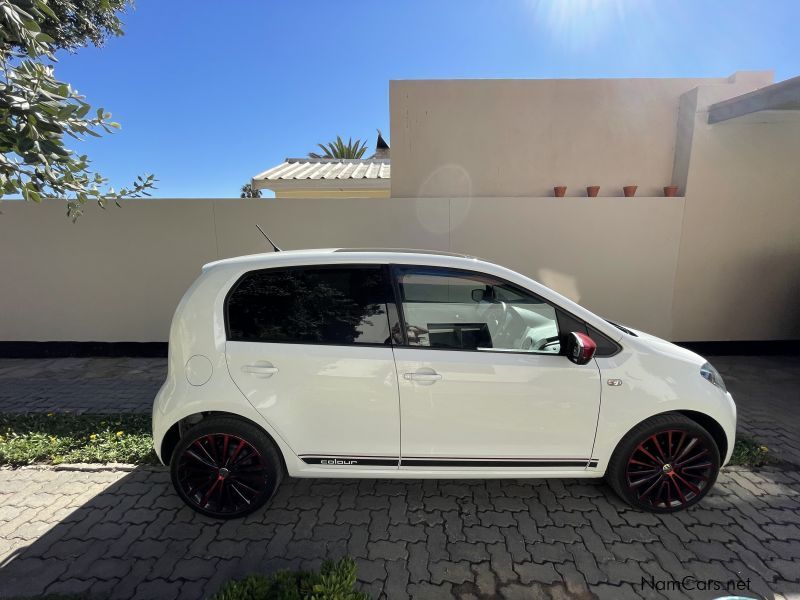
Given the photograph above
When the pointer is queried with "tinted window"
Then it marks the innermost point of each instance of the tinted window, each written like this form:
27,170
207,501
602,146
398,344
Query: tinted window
322,305
605,346
459,310
568,323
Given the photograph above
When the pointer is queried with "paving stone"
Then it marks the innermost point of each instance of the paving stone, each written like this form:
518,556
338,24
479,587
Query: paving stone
330,532
227,549
357,544
485,579
515,544
428,591
454,572
519,591
559,534
586,564
472,552
387,550
501,562
501,519
531,572
617,592
397,580
157,588
124,535
418,560
787,569
370,570
479,533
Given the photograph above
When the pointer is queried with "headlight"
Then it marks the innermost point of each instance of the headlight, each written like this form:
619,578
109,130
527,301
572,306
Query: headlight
710,373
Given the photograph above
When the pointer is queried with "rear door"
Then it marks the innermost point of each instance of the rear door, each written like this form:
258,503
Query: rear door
310,347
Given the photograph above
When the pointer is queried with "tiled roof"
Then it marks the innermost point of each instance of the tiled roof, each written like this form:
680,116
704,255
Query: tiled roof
294,169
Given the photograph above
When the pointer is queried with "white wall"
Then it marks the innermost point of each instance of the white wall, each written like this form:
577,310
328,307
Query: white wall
118,273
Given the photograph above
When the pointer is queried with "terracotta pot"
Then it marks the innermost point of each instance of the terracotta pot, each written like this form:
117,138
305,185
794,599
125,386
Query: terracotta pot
592,190
630,190
560,190
671,191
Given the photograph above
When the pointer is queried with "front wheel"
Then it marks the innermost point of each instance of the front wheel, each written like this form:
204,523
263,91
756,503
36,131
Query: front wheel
665,464
225,468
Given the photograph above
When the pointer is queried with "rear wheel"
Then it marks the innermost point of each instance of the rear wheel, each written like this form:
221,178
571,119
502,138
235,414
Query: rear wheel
225,468
665,464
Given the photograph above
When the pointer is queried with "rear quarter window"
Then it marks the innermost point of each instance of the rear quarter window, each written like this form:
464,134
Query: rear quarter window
311,305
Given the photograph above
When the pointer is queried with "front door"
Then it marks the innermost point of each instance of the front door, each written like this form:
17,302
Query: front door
482,381
310,348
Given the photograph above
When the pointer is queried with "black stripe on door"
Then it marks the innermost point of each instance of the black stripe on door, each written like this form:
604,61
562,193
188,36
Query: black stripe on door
493,462
383,461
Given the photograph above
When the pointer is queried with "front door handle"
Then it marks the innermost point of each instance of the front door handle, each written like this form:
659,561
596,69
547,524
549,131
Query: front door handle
427,376
262,368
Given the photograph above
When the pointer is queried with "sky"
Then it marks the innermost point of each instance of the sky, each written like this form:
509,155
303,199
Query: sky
211,93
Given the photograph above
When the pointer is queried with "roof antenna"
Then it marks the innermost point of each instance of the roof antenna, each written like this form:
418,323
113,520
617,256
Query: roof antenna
269,240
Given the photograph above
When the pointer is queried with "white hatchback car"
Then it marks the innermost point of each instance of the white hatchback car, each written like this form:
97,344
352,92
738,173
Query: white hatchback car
414,364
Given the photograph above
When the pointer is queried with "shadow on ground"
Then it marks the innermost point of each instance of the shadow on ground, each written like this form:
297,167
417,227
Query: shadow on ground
118,535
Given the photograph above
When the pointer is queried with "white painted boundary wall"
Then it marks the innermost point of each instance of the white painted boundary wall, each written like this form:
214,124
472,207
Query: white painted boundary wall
117,274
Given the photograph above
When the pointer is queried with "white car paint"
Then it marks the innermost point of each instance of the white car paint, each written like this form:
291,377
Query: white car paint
358,401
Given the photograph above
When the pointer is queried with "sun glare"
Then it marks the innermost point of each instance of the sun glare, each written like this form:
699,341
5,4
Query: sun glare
579,24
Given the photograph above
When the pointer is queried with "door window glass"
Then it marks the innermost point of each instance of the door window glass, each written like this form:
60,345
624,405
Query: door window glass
316,305
458,310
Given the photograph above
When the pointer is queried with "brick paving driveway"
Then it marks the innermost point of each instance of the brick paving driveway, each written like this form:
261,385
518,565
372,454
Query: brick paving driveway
125,534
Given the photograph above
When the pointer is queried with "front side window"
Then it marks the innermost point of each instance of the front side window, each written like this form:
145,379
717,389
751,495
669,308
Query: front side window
315,305
459,310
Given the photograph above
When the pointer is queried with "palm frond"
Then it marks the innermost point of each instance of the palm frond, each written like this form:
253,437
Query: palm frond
338,149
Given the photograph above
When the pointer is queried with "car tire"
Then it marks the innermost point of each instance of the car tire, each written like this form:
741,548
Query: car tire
665,464
225,467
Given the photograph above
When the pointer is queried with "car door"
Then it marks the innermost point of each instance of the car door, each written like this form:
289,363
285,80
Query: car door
482,381
310,348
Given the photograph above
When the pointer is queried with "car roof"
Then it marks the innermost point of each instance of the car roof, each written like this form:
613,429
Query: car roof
305,256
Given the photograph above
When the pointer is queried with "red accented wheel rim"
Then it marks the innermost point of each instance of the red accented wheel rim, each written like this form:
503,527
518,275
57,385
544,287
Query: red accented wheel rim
669,469
222,474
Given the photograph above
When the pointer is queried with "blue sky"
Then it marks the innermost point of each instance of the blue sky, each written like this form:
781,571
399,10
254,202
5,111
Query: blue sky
211,93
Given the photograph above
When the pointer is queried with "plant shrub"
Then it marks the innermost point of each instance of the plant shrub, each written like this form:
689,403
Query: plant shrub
334,581
55,438
748,452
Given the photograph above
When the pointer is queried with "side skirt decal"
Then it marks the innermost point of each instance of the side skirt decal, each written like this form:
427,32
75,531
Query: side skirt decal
495,462
384,461
350,461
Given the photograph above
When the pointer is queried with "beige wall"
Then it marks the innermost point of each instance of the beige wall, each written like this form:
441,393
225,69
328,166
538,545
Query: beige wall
738,275
117,274
481,138
721,263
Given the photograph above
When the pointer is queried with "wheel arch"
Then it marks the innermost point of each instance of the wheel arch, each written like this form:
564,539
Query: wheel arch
177,430
711,425
707,422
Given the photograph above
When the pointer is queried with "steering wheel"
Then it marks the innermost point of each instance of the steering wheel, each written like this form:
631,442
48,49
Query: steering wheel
507,322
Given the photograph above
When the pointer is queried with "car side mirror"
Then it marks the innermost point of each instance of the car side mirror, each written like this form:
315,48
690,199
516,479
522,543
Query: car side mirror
580,348
478,295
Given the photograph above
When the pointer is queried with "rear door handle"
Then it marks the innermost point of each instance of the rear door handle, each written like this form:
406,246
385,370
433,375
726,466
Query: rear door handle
261,368
428,376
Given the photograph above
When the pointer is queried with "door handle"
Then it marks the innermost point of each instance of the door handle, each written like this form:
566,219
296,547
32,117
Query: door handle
423,376
260,369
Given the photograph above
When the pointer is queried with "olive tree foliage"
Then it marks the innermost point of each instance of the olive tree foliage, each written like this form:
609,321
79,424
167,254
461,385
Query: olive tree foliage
78,23
39,113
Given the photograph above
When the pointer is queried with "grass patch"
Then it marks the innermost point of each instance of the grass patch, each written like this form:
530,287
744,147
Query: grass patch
748,452
334,581
55,438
